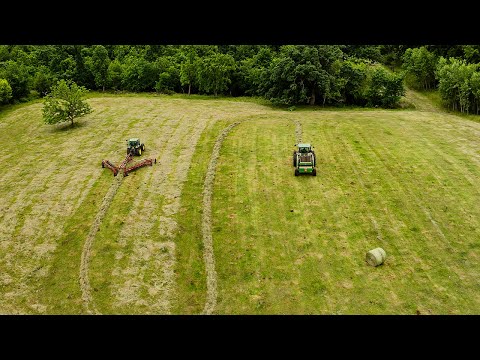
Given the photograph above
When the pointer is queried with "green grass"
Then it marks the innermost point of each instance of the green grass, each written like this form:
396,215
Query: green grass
434,97
405,180
60,288
253,99
288,244
190,266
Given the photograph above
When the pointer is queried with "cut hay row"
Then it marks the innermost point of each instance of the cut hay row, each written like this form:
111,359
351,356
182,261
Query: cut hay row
155,247
405,181
140,247
138,238
208,253
85,259
298,131
41,192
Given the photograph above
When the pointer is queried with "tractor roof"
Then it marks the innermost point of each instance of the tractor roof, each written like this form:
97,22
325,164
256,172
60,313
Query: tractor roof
304,145
133,139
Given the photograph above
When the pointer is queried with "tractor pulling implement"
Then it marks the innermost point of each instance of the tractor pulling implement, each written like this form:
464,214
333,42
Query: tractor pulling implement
134,147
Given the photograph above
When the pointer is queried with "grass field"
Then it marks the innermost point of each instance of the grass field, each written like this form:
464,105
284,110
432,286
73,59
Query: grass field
405,180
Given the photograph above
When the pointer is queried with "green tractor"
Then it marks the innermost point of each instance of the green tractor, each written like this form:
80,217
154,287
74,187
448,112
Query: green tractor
304,160
135,147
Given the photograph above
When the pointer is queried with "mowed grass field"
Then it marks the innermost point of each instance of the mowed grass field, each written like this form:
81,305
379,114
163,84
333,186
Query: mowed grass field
404,180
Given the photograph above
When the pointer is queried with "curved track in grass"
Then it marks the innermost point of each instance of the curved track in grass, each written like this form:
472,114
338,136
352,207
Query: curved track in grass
83,279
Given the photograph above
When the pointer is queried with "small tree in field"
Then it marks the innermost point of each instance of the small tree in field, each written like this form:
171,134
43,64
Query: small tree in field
64,103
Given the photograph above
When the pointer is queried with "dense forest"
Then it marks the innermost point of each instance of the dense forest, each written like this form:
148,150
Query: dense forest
333,75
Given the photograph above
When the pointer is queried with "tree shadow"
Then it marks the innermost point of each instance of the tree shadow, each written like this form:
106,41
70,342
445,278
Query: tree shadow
68,127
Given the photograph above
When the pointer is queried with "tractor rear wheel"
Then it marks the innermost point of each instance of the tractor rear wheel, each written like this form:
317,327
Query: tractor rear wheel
128,151
314,172
294,158
143,147
103,166
139,151
296,172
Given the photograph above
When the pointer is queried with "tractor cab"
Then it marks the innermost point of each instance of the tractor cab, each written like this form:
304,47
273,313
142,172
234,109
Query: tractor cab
133,142
304,148
134,146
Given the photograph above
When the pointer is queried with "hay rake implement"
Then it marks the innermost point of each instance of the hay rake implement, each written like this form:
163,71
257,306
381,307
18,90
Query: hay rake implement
123,166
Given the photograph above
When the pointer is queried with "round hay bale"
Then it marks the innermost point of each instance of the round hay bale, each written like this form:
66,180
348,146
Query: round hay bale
376,257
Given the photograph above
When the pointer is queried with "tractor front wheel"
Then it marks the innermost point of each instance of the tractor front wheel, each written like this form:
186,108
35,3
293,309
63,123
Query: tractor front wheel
139,152
294,158
143,147
296,172
314,172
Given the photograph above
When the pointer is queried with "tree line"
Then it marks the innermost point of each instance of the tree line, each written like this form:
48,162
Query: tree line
328,75
288,75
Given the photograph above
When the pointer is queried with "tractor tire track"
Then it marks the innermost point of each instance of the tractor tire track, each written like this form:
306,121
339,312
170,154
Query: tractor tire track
208,253
87,247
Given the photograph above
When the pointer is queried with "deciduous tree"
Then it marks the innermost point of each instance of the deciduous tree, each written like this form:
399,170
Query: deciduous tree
214,72
188,69
5,91
65,103
421,63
